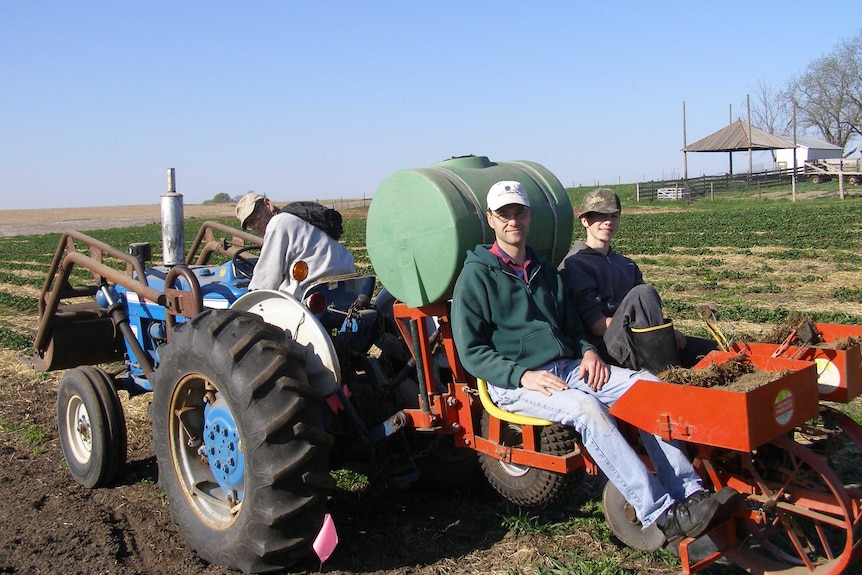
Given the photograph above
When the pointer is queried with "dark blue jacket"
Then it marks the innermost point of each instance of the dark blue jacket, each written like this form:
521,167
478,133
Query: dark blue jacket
596,283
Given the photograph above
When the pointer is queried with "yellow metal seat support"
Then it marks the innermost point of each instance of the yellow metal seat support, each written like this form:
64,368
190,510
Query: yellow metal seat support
503,415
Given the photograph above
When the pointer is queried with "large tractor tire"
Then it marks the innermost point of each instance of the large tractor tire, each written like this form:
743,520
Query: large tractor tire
528,486
238,433
91,426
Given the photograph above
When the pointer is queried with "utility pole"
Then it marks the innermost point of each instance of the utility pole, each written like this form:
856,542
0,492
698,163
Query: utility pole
750,163
794,148
684,144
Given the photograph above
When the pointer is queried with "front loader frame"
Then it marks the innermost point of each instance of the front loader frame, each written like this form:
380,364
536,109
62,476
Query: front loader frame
75,329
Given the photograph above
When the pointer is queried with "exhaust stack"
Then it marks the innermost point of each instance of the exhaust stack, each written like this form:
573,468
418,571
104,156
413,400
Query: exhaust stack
173,232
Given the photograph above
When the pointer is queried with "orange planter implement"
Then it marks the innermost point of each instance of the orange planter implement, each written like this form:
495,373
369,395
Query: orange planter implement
720,417
839,371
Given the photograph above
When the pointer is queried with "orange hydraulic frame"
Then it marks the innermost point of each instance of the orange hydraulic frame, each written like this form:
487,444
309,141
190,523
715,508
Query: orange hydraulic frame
457,410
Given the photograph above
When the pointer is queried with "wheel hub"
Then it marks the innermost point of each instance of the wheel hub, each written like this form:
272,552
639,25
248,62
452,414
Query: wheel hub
82,438
83,429
222,449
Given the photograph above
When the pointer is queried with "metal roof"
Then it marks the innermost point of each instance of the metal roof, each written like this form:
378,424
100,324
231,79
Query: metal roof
737,137
814,143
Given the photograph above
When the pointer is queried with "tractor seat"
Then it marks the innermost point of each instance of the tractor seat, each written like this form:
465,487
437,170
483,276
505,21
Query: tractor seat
502,414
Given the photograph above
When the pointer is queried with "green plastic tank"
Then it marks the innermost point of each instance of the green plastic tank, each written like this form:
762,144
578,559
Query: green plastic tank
422,221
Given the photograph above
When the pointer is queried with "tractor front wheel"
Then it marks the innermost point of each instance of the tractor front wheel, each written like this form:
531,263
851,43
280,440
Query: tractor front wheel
91,426
238,434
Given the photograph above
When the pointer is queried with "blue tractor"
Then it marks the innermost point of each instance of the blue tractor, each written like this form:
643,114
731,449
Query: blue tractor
255,395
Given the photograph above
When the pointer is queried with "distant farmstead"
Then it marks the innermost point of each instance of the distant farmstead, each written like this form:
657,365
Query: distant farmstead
807,150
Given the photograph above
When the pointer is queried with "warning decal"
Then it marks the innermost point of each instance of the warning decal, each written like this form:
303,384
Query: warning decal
782,409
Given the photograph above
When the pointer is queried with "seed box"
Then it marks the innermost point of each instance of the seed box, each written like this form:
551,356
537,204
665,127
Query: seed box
722,417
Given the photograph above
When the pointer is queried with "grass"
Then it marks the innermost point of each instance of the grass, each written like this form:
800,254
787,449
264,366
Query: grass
350,481
10,339
30,433
574,562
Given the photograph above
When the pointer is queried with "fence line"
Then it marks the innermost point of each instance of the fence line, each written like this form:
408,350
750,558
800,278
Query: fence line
343,204
710,186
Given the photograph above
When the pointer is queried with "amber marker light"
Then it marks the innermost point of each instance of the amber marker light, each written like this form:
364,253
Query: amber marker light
299,271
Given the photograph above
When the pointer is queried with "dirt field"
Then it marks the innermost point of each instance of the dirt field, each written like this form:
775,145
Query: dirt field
57,220
24,222
53,525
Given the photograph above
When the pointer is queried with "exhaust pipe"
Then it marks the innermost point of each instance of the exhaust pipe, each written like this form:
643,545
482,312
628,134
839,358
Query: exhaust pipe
173,232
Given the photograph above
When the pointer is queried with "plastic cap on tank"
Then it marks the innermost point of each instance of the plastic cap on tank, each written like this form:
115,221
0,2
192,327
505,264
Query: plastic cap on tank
505,193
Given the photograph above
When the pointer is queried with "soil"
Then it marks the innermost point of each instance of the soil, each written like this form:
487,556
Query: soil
58,220
53,525
735,374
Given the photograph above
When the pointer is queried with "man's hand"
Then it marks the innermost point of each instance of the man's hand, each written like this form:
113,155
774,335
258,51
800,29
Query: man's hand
594,370
542,381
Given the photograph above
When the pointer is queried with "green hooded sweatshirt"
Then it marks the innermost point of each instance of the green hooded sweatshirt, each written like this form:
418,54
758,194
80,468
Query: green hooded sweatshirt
503,326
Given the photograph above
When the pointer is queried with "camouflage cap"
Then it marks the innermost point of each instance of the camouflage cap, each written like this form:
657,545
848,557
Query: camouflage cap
602,201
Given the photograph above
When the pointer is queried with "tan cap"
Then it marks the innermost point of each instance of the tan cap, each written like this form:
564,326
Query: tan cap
245,207
602,201
505,193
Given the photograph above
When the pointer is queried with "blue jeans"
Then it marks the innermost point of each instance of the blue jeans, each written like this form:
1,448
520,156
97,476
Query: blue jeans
587,411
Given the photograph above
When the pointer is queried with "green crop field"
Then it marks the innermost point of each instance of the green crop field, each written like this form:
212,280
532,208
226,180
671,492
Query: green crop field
758,262
761,263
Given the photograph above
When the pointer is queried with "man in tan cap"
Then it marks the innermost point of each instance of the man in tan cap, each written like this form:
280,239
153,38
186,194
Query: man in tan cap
622,312
287,239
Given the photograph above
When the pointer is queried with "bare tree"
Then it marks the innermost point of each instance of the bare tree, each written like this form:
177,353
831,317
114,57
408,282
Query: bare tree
829,92
852,53
771,109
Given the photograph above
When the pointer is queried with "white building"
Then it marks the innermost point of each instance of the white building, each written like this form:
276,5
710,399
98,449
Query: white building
807,150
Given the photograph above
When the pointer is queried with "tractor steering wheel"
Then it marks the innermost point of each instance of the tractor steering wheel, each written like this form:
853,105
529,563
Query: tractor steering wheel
243,266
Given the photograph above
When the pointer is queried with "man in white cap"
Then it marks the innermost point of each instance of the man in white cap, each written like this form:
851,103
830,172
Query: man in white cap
288,239
514,327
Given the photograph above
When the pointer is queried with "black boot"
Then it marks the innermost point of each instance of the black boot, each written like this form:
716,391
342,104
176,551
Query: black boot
699,512
689,518
655,347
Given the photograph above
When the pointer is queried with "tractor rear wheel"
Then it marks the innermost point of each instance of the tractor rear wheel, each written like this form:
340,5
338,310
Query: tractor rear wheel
529,486
91,425
239,438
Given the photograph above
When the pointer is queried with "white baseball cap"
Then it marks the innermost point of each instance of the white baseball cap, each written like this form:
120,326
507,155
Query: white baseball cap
505,193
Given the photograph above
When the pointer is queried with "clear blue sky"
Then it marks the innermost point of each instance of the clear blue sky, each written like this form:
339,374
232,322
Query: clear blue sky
322,100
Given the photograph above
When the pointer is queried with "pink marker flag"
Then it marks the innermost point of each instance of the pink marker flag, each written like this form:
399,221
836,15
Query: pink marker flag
326,540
